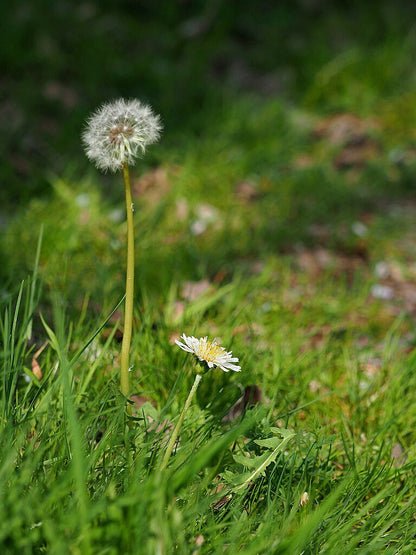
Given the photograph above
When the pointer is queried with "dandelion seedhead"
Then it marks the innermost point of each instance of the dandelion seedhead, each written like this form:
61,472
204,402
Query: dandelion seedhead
118,132
115,135
209,352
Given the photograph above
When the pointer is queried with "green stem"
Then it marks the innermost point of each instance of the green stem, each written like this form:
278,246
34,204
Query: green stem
175,434
128,307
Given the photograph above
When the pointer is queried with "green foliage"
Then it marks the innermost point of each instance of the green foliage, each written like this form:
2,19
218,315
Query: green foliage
263,225
72,480
259,463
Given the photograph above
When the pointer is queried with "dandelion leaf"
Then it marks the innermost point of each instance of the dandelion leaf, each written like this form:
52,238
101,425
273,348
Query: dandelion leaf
257,465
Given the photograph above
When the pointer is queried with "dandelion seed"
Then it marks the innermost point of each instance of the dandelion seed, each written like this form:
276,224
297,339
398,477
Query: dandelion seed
209,352
118,132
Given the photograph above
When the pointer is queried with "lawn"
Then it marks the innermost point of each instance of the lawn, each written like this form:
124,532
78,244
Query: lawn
277,214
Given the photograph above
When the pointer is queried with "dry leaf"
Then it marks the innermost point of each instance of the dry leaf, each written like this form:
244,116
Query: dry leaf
248,331
199,540
140,400
372,367
54,90
246,192
357,155
221,503
315,261
219,276
223,500
303,161
398,455
320,231
178,310
344,129
252,395
37,372
173,337
314,386
352,133
153,185
191,290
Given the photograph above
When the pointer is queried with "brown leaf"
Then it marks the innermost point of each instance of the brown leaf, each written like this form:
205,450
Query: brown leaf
320,231
398,455
173,337
153,185
248,331
319,337
313,261
372,367
252,395
219,276
178,310
344,129
246,192
140,400
219,487
315,386
357,155
221,503
199,540
191,290
54,90
407,291
37,372
303,161
402,292
354,135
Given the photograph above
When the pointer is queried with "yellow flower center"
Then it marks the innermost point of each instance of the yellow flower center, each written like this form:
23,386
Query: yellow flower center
209,351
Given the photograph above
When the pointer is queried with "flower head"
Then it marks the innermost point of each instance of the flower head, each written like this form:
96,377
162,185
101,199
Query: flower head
209,352
117,131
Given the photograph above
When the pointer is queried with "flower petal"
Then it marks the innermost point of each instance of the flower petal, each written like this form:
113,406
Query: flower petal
209,352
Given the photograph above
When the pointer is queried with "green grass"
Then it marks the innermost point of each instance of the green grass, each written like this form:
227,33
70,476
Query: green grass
69,483
333,366
284,227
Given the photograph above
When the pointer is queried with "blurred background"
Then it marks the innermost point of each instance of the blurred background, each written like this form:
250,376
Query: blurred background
298,113
188,59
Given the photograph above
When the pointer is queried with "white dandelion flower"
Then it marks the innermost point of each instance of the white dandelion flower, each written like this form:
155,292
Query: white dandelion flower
209,352
118,132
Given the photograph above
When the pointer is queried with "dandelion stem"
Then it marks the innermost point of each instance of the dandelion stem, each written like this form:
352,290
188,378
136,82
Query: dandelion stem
128,306
175,433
